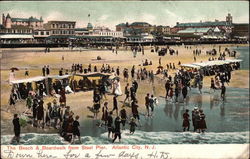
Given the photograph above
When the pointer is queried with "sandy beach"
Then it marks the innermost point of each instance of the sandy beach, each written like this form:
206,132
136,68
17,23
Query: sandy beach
35,59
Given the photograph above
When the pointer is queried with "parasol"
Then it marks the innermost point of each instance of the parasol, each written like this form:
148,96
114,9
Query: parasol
14,69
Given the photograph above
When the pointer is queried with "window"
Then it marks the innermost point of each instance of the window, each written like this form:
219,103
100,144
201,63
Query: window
36,33
47,33
42,33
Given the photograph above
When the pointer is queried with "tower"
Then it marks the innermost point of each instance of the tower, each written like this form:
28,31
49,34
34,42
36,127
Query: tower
8,21
229,19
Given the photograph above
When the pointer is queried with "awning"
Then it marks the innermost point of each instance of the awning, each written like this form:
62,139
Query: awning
94,74
190,65
16,36
212,63
59,77
32,79
233,60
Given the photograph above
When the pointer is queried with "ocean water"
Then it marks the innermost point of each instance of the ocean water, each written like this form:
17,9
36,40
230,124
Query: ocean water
227,122
139,137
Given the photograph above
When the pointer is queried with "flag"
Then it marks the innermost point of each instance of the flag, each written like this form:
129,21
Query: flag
89,15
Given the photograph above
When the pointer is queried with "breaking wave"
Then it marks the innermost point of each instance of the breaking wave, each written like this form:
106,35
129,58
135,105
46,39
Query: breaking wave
139,137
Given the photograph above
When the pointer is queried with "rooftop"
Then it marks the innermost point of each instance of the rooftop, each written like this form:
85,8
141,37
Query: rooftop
140,24
217,23
30,19
194,30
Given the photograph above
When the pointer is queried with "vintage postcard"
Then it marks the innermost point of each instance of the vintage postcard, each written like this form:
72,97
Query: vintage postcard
124,79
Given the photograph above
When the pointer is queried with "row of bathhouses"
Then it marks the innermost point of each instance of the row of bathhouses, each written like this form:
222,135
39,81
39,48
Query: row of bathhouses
34,30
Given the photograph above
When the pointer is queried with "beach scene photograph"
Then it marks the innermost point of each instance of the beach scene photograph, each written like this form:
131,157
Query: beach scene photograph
94,73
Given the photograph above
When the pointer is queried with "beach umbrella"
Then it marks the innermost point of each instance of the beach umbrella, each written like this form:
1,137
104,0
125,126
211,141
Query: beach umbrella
14,69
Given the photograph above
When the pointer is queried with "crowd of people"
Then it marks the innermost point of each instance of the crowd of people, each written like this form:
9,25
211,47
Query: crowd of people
115,119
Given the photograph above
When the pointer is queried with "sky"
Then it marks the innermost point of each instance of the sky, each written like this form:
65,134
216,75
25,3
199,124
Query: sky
112,13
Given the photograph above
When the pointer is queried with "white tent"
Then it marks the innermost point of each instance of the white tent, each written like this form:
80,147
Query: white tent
32,79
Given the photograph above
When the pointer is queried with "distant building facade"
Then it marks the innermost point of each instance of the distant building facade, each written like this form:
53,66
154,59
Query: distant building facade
31,22
104,31
60,27
225,25
135,28
241,30
163,30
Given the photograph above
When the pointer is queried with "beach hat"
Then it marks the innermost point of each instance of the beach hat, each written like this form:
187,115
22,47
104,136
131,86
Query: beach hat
132,118
195,108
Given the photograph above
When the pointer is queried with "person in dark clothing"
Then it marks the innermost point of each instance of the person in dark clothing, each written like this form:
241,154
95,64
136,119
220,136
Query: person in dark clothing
202,122
135,112
117,130
110,124
135,84
115,104
17,128
147,103
133,72
193,118
76,130
151,104
61,72
11,100
186,120
97,103
223,91
40,113
104,114
47,70
123,115
132,93
62,99
26,72
34,109
196,120
41,90
118,71
184,92
127,93
167,87
43,70
132,125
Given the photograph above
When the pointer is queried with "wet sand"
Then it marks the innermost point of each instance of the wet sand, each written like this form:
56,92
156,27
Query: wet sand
80,101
